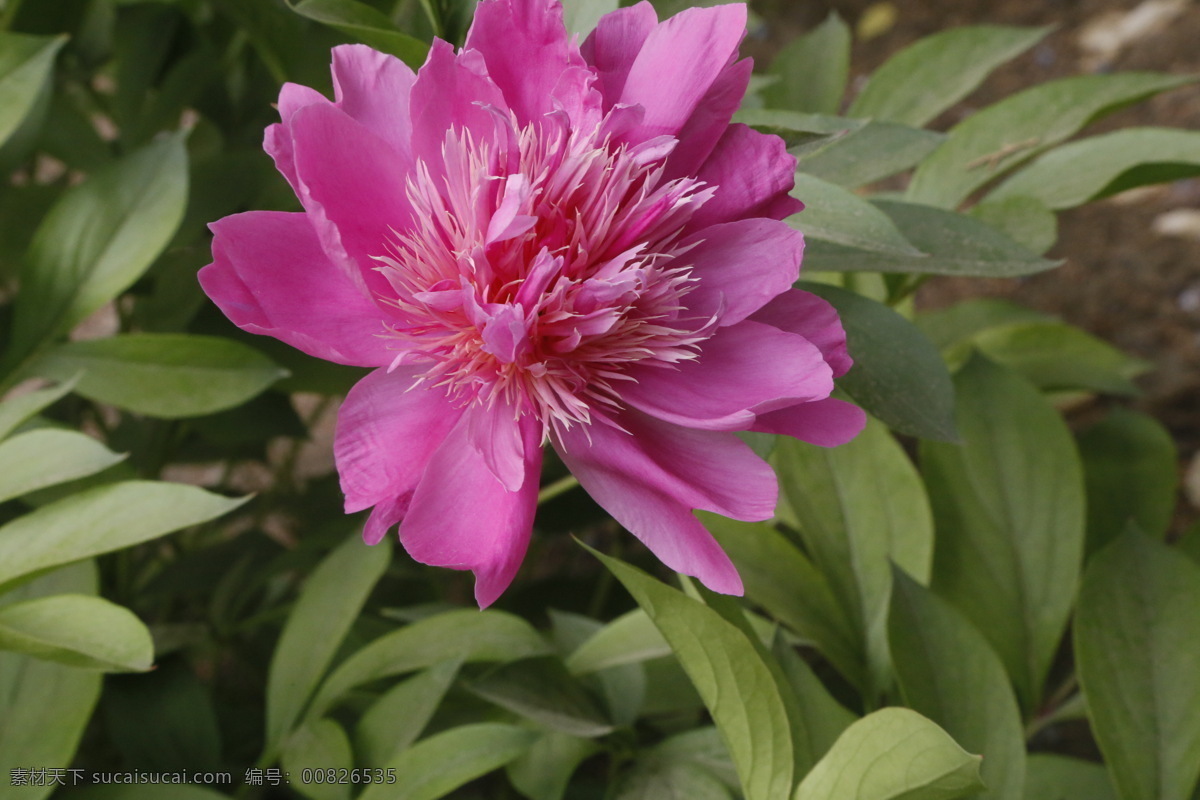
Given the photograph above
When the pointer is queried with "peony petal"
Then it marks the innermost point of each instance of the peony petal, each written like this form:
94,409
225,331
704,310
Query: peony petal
741,266
704,128
827,423
679,63
614,45
745,366
352,184
373,88
387,430
463,518
277,140
496,437
650,477
814,319
270,276
753,173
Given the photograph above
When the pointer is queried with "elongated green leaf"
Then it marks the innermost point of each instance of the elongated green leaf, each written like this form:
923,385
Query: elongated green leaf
954,244
993,141
147,791
823,718
655,779
949,326
397,718
1138,659
1054,777
15,411
735,683
893,754
465,634
319,745
366,24
1079,172
778,576
1008,509
26,63
628,639
96,241
860,507
40,458
949,673
541,690
812,69
101,520
926,78
898,375
167,375
833,214
1025,220
434,767
804,134
870,153
543,771
331,599
79,631
54,700
581,16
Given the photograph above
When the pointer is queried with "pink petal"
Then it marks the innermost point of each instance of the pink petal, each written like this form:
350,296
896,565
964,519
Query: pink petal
496,437
387,430
270,276
743,367
650,478
814,319
463,518
277,140
524,44
352,184
679,63
614,45
827,423
741,266
704,128
373,88
753,173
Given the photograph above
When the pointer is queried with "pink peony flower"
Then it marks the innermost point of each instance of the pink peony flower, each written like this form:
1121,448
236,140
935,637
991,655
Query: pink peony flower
534,240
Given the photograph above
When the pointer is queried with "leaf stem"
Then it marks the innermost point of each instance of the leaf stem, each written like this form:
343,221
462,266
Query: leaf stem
560,486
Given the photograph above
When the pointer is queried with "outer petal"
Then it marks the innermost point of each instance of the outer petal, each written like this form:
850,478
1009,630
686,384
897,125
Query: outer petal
462,517
352,184
374,88
277,140
753,173
650,477
741,266
828,423
387,430
743,367
270,276
703,129
614,45
814,319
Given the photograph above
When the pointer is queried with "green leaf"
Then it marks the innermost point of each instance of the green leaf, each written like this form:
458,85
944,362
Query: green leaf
1089,169
46,457
396,719
812,69
737,686
1025,220
167,375
101,520
1008,510
949,326
893,754
629,639
467,634
860,507
79,631
949,673
434,767
44,707
543,771
837,215
581,16
541,690
870,153
319,745
954,244
366,24
1131,474
778,576
329,603
657,779
993,141
26,64
96,241
1057,356
1138,659
1054,777
928,77
804,134
823,718
16,410
146,791
898,375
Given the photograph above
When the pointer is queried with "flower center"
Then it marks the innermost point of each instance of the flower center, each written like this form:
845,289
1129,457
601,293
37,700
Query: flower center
536,273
